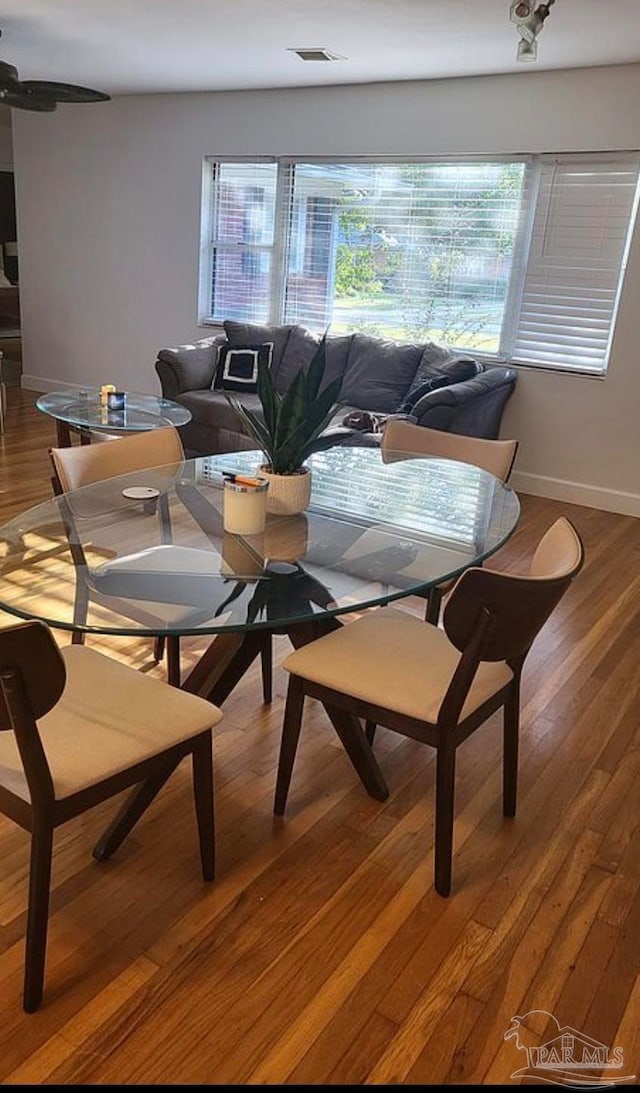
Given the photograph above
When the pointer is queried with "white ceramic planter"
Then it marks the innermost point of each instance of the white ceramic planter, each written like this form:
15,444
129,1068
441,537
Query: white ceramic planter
288,494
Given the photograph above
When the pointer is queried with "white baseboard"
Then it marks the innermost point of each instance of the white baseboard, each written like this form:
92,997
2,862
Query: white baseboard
577,493
42,384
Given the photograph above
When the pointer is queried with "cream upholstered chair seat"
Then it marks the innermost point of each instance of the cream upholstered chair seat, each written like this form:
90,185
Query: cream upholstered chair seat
391,659
88,737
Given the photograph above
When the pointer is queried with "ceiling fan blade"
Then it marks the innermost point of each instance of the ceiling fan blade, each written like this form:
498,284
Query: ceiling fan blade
25,100
63,92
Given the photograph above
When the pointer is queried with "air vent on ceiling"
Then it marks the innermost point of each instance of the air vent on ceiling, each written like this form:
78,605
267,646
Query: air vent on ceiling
315,53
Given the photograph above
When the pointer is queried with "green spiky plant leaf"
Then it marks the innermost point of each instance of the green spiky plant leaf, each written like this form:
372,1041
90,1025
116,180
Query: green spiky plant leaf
291,425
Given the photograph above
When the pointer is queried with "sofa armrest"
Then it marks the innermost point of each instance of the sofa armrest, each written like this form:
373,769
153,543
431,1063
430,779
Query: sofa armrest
473,407
188,367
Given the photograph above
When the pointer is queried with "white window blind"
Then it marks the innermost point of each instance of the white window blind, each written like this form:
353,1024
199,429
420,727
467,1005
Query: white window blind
517,260
581,227
242,218
404,250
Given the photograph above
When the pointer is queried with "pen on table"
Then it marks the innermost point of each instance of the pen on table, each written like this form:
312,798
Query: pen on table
242,479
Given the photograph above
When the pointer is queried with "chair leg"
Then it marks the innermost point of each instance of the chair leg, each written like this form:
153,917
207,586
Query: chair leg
158,648
370,730
445,795
38,915
432,614
266,658
289,743
511,732
202,760
130,812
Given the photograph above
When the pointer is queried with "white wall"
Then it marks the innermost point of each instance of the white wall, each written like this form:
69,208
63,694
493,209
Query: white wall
109,207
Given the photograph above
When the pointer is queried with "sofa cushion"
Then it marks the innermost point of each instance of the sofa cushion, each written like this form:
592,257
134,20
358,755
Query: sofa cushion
438,361
379,373
460,369
213,408
241,335
433,357
238,368
300,351
194,363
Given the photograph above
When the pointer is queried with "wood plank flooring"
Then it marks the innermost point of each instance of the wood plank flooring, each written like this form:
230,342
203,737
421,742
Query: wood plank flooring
322,954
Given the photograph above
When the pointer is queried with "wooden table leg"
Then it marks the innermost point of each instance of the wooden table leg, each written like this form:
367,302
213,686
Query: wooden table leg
63,433
130,812
223,664
229,656
349,728
219,670
173,660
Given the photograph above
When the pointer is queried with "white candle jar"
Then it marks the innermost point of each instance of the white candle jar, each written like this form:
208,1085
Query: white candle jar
244,508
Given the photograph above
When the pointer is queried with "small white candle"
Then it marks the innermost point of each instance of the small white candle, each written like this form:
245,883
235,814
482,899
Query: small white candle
244,508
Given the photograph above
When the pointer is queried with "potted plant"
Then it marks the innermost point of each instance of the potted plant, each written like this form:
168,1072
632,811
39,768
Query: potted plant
290,430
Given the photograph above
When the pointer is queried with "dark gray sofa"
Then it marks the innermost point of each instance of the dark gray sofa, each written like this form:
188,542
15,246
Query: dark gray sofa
377,376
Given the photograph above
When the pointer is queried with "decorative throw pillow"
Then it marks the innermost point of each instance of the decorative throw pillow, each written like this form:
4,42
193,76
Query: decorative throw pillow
439,370
417,391
238,367
240,335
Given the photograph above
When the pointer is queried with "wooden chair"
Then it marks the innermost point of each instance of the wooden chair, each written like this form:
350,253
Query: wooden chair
84,465
437,686
76,728
401,440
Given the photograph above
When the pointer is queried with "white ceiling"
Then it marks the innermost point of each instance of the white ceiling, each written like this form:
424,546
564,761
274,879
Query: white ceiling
125,46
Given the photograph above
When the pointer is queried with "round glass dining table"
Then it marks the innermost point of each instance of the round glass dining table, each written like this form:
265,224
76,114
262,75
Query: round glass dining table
380,526
377,529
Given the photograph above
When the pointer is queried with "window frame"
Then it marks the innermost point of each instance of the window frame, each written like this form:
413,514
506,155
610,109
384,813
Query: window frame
279,249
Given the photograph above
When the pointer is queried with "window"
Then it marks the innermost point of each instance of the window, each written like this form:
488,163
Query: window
517,260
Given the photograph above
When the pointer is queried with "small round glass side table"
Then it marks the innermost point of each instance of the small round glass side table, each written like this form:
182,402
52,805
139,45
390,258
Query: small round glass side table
80,411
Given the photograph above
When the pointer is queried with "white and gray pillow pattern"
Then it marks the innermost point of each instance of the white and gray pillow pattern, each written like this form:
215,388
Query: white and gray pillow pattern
237,368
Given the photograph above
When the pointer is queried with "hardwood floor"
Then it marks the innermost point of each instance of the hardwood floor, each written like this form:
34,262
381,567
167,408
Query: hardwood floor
322,954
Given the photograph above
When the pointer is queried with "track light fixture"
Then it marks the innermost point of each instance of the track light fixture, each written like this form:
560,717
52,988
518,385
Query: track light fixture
529,20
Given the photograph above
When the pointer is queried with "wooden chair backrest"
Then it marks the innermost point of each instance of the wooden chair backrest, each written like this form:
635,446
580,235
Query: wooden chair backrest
401,439
32,679
29,651
516,607
84,464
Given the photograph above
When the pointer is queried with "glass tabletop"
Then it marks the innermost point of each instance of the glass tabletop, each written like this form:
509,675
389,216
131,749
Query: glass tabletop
83,409
377,529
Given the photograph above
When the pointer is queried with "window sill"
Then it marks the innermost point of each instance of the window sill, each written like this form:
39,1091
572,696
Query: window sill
533,366
558,370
